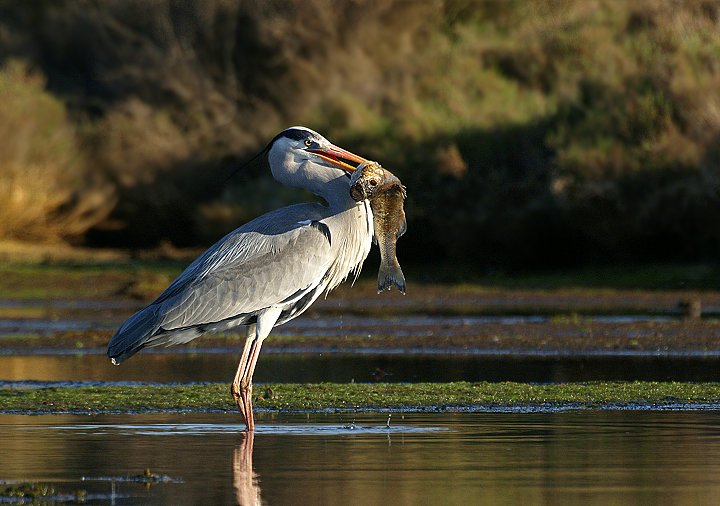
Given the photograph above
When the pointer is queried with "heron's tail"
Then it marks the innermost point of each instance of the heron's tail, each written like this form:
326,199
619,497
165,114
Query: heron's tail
134,334
390,274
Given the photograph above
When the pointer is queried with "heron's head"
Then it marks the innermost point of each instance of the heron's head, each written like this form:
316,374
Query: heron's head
303,158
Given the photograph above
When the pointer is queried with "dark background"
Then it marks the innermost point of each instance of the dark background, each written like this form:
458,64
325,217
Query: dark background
529,134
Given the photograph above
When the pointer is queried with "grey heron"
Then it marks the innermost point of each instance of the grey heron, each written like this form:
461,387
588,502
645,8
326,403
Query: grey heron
269,270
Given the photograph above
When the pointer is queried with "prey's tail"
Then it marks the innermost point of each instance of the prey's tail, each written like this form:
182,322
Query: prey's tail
390,274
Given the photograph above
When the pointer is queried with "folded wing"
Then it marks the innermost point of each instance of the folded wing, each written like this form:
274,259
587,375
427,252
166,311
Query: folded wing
276,259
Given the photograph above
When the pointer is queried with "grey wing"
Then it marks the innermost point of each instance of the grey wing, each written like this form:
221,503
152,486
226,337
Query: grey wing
244,273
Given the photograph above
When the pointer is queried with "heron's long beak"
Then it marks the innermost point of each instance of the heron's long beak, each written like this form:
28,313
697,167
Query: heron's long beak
339,157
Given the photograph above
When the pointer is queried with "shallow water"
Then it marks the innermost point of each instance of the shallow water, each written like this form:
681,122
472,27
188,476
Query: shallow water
480,458
590,457
344,368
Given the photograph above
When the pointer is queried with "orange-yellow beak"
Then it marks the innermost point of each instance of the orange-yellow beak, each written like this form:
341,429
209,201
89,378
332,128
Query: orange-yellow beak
339,157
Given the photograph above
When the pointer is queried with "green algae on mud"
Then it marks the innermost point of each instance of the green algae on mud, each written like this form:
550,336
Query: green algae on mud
356,396
39,493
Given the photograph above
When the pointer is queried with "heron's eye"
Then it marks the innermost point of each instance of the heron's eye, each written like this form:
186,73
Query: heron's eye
372,183
308,142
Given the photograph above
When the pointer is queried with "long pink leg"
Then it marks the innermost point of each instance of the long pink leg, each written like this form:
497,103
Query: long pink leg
241,387
246,386
235,388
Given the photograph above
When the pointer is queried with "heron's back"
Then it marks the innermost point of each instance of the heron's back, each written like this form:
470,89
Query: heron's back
285,258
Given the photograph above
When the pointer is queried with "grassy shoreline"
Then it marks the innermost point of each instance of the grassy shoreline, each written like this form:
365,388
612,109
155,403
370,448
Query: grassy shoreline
360,397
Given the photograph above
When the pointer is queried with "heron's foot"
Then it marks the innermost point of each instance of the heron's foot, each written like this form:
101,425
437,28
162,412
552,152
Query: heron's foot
242,394
247,401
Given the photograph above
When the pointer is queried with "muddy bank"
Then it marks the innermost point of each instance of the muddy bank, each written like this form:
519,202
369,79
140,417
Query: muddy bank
572,336
77,308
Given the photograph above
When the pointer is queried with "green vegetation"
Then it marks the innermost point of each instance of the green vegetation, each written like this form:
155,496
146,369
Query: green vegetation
144,280
418,396
136,279
528,133
39,493
654,277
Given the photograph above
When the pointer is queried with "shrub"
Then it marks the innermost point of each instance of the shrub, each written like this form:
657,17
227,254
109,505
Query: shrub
45,191
528,133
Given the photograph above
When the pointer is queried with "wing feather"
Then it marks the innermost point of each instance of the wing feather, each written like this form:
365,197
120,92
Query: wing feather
269,260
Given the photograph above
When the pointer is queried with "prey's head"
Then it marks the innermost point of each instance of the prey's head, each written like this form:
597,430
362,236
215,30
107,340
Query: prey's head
368,177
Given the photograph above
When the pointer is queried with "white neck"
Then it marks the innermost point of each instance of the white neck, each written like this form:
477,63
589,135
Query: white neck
337,193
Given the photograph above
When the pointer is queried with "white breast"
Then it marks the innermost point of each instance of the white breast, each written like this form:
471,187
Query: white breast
351,232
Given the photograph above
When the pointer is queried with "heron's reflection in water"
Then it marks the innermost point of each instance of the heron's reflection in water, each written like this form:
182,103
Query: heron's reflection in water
245,481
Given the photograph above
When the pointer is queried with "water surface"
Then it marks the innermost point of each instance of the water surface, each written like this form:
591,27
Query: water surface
481,458
345,368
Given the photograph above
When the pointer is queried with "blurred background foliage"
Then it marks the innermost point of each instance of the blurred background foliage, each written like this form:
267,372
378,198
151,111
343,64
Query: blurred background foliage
532,134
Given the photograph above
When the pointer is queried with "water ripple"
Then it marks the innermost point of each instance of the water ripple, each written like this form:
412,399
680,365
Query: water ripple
199,429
